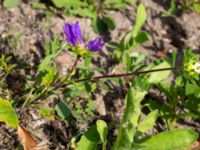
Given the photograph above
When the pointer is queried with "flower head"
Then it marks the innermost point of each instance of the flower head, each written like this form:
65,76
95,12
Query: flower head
196,67
74,37
73,33
96,45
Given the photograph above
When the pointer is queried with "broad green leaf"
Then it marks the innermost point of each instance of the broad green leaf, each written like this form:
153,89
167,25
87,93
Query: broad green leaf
170,140
89,140
11,3
102,130
99,25
140,19
62,110
140,38
148,122
158,76
86,144
109,22
8,114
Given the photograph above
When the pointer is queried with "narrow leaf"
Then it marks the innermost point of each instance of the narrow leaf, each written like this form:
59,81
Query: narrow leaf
140,19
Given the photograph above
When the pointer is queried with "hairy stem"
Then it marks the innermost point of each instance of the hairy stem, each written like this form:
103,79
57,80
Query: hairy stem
136,73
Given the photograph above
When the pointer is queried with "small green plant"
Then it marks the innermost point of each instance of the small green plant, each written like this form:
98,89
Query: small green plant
68,93
5,67
132,39
193,5
132,127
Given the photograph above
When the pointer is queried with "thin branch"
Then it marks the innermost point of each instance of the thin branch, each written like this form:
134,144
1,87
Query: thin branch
102,77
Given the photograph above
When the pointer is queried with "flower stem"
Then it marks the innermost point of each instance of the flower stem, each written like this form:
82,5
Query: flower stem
117,75
74,66
136,73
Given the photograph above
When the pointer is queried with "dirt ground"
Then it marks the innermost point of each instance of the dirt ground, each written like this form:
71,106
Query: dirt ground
32,29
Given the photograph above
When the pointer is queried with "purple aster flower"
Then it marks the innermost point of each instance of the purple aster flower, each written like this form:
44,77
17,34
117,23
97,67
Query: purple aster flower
73,33
96,44
74,37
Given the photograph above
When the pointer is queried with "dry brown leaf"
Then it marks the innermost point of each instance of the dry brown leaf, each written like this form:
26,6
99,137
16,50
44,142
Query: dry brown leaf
27,141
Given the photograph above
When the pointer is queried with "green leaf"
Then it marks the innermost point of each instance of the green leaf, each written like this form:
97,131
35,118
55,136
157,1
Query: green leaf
148,122
59,3
123,140
67,3
11,3
191,89
49,76
46,62
156,77
140,38
62,110
132,103
102,130
37,5
8,114
171,10
109,22
170,140
47,112
140,19
129,120
89,140
129,105
135,37
196,7
99,25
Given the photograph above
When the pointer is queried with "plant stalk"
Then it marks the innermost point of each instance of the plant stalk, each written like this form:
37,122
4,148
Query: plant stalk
136,73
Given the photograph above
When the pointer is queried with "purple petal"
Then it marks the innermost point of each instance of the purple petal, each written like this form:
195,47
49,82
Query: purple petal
96,44
73,33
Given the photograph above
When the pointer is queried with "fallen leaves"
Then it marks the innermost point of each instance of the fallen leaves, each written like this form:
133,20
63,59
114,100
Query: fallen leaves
25,138
28,142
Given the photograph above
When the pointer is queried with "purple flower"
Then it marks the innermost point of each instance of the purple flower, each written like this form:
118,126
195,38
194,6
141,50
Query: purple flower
73,33
74,37
96,45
